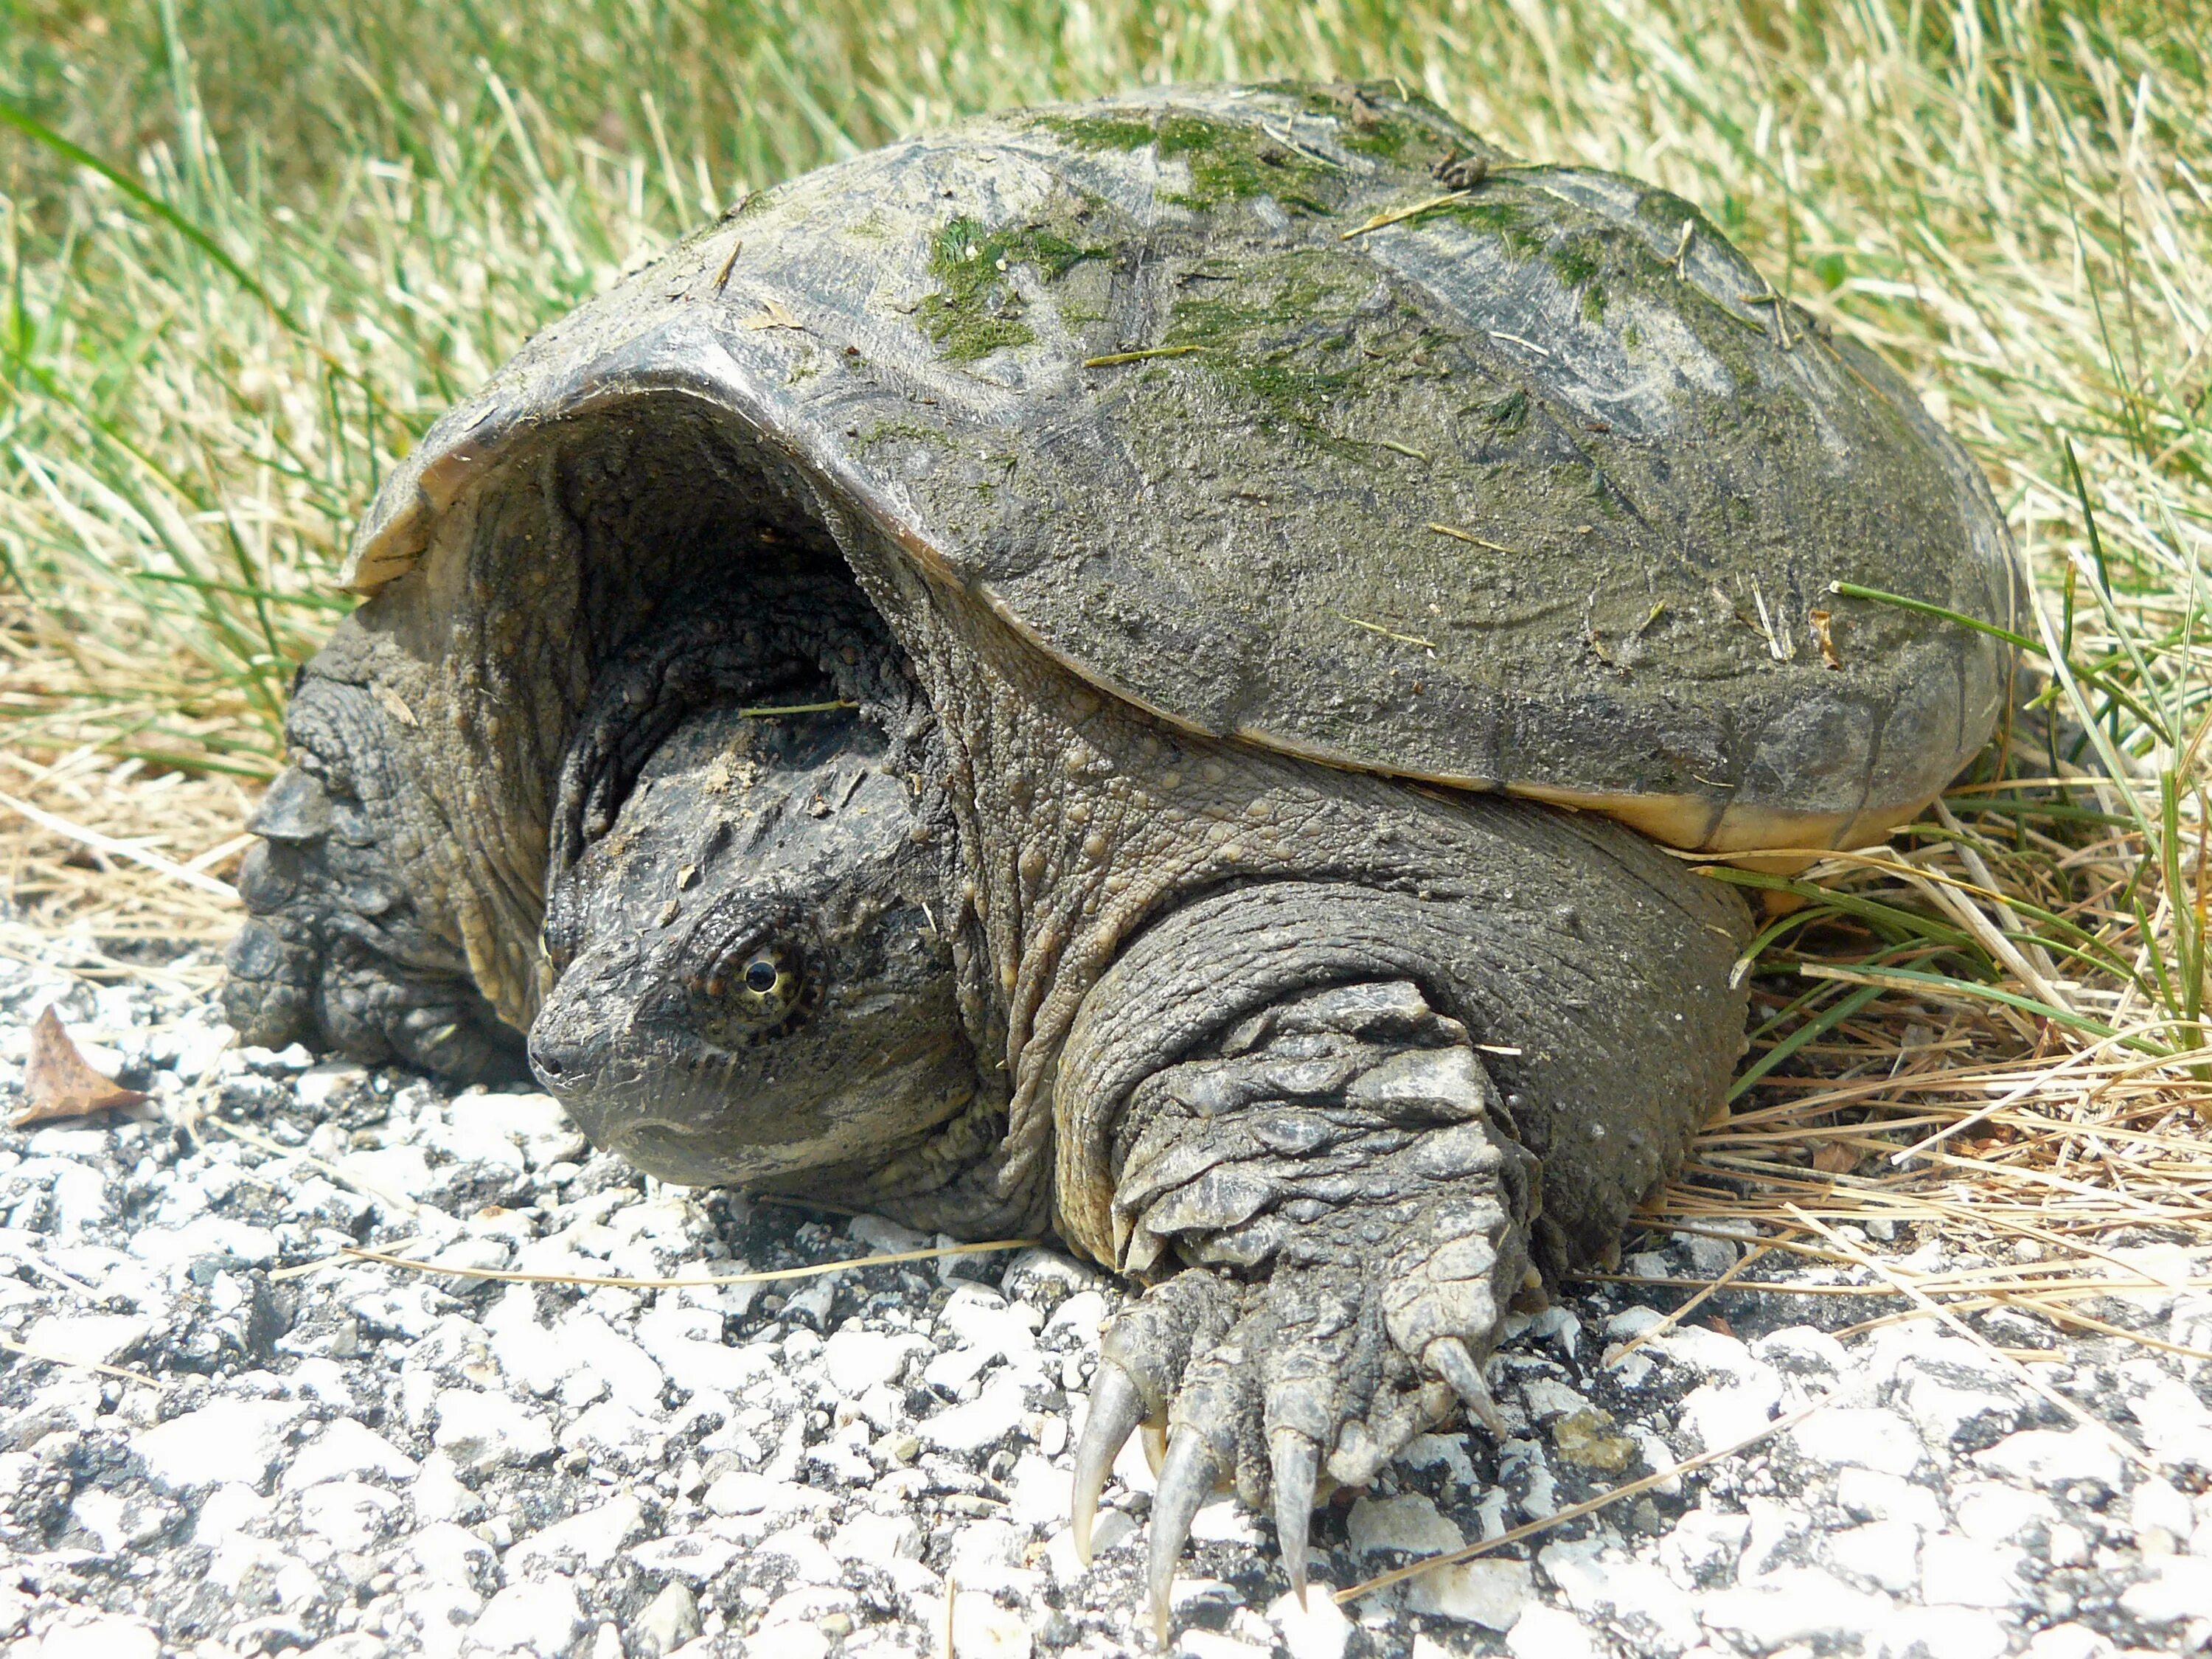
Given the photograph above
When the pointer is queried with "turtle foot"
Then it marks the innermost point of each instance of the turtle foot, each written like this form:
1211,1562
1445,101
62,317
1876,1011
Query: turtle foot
1356,1214
1281,1391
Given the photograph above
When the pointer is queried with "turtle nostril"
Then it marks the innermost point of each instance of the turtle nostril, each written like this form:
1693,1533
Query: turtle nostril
547,1059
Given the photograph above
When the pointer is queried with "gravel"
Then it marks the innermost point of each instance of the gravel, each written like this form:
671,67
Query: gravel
354,1459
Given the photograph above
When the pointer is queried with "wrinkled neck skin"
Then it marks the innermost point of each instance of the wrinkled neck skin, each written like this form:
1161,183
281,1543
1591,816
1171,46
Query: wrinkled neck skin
1080,819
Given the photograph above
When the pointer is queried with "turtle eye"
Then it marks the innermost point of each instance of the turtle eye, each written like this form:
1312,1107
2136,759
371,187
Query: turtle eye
756,985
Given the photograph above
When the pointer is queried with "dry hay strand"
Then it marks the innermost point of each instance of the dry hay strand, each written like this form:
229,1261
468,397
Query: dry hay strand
125,863
1973,1040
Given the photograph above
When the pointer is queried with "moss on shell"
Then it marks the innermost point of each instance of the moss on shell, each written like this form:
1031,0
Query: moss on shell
1380,119
976,309
1227,161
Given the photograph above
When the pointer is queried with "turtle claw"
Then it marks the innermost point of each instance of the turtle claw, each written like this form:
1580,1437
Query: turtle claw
1189,1476
1117,1406
1450,1359
1295,1469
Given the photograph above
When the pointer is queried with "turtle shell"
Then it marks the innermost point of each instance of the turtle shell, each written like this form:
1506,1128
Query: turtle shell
1302,417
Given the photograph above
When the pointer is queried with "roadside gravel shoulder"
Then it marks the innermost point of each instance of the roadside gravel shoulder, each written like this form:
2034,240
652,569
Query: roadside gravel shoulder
205,1451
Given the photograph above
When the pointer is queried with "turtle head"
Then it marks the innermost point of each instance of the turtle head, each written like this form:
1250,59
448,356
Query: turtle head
750,984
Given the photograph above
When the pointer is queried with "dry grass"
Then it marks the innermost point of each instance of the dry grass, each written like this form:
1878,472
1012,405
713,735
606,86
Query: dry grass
345,217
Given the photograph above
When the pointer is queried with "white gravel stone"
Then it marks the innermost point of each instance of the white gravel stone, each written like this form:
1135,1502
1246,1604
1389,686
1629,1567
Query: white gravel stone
1712,1354
856,1360
876,1539
1717,1415
101,1636
1705,1544
236,1440
1991,1512
2177,1588
669,1620
1409,1523
534,1123
2069,1641
2177,1424
541,1618
1547,1633
632,1379
1871,1495
1794,1604
1885,1553
2068,1546
1959,1572
87,1339
742,1491
697,1556
984,1421
1491,1592
589,1540
1946,1633
2053,1457
1802,1350
351,1514
1600,1582
1864,1438
343,1448
1318,1629
324,1081
481,1430
1943,1412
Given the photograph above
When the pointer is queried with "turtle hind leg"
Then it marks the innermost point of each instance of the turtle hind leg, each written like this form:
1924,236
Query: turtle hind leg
339,951
1358,1214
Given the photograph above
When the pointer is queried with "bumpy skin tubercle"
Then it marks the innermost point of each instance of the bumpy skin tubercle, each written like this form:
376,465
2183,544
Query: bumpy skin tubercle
1282,1090
346,946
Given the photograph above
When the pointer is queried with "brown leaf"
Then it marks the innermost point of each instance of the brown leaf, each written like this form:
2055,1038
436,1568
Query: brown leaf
1820,632
1834,1158
59,1084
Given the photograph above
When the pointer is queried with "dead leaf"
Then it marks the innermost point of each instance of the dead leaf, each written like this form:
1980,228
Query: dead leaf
1821,619
1834,1158
773,314
59,1084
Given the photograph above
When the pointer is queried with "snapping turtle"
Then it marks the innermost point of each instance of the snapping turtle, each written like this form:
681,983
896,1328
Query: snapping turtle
1126,667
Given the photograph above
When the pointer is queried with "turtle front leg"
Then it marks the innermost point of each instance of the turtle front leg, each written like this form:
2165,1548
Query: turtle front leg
341,949
1342,1180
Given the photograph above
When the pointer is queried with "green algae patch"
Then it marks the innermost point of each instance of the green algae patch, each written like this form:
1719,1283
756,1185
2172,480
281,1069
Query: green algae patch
1099,132
976,310
1276,330
1300,343
1374,119
1512,223
883,432
1228,161
1231,161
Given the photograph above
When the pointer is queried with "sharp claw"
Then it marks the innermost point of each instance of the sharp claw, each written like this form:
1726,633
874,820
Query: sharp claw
1186,1478
1116,1407
1448,1358
1297,1473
